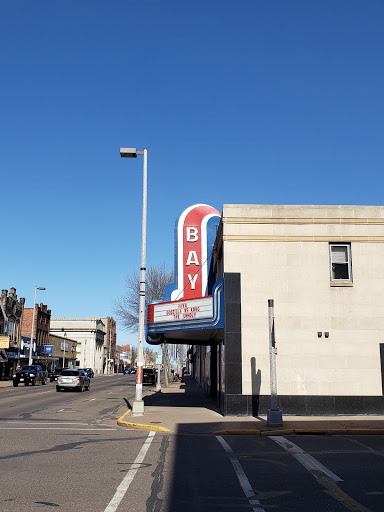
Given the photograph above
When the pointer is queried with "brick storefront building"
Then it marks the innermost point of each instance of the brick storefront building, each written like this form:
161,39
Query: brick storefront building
11,313
41,328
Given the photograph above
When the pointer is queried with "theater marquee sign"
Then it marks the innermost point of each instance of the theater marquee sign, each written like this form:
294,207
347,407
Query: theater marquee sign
194,300
183,310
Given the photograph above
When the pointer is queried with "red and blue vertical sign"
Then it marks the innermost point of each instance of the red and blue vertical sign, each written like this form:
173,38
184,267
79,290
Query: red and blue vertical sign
195,233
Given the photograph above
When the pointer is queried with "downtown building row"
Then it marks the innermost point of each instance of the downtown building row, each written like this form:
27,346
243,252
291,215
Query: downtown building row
66,342
323,268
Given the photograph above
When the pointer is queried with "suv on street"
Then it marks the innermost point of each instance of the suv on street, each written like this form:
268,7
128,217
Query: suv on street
31,374
149,376
56,372
73,379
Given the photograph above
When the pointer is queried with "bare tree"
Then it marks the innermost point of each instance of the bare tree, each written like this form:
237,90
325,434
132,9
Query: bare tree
127,307
134,356
150,357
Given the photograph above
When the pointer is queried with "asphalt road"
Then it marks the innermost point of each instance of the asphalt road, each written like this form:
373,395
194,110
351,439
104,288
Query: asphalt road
65,452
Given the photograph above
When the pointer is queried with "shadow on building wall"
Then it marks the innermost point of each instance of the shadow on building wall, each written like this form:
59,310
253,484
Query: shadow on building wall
256,384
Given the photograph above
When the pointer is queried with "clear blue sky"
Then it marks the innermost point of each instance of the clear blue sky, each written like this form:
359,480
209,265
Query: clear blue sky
237,101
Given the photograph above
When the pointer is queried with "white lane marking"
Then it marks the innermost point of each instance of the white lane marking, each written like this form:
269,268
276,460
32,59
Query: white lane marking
53,428
13,422
241,476
126,482
61,410
309,462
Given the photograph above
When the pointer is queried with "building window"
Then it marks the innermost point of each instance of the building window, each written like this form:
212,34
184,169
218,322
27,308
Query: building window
341,268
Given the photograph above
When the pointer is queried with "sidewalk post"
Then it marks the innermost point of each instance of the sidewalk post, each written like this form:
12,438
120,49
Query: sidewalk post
159,361
274,416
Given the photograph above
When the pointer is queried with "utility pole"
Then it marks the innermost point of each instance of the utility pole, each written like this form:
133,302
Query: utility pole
109,350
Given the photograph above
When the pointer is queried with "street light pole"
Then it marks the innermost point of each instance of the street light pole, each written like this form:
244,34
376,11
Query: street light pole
65,339
138,404
33,325
109,352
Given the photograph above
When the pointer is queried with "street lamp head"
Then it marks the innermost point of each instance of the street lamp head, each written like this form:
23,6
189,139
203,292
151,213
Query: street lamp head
128,153
39,288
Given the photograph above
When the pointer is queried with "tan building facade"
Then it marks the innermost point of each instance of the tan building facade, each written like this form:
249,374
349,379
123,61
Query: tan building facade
111,359
324,268
89,333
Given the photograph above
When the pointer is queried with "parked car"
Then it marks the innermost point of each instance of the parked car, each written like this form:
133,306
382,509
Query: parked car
89,372
73,379
149,376
32,374
56,372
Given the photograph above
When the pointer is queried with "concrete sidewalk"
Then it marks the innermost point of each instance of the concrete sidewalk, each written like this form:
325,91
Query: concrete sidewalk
183,407
6,383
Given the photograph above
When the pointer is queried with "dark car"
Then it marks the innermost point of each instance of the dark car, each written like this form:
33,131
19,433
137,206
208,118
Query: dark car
89,372
32,374
149,376
56,372
73,379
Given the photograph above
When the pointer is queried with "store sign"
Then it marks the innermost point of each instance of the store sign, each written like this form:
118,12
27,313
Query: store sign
183,310
4,341
48,349
12,353
194,238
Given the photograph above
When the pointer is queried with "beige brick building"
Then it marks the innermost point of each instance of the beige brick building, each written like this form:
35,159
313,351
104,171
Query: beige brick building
324,268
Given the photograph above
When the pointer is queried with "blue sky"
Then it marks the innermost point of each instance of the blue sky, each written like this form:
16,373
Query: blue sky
237,102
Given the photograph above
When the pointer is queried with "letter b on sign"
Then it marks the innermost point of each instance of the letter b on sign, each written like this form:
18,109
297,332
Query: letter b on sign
192,234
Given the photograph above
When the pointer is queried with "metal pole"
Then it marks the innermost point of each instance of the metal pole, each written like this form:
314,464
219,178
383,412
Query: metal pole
138,404
274,417
33,329
158,384
109,351
65,337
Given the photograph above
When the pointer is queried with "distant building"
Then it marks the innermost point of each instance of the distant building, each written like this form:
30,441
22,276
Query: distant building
41,327
119,359
11,314
110,345
89,334
126,356
64,356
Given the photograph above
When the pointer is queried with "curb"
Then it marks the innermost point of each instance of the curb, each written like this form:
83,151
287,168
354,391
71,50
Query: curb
303,431
123,423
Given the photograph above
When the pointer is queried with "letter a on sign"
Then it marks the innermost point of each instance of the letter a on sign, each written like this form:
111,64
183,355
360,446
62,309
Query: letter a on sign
192,258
